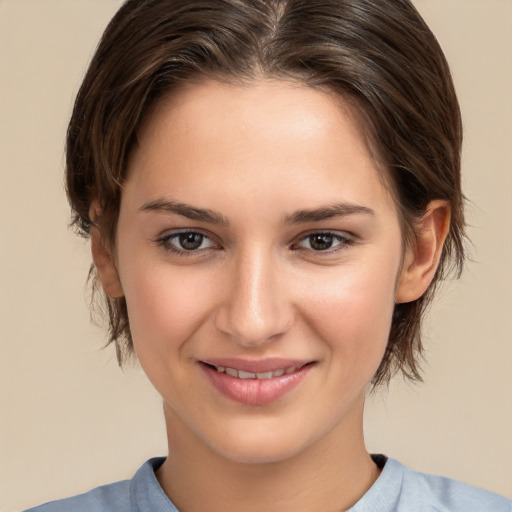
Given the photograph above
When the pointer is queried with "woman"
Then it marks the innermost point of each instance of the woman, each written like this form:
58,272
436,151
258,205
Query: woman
272,191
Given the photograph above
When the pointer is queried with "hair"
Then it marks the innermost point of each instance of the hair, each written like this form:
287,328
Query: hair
377,54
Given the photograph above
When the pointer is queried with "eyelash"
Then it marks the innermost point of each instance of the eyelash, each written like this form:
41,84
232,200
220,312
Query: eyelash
166,242
344,241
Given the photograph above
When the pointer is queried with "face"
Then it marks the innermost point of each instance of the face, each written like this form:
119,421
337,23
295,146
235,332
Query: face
258,251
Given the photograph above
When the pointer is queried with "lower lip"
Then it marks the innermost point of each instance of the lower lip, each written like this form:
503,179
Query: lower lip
254,391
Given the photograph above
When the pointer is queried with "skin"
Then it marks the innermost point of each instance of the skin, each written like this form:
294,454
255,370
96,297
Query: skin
259,287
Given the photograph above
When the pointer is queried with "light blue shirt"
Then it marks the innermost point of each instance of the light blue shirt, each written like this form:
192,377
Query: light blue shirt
398,489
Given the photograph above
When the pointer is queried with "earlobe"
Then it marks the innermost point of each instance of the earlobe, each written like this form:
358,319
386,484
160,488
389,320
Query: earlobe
421,261
105,263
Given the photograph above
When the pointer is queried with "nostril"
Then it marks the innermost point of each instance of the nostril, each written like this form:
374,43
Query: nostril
252,329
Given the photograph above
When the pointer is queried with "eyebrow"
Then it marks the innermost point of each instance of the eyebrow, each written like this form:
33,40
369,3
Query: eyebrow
186,210
212,217
327,212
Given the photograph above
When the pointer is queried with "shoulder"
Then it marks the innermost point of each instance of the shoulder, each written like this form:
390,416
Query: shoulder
141,493
447,495
111,497
400,489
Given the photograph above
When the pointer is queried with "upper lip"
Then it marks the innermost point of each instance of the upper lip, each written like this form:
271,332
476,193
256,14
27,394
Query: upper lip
256,365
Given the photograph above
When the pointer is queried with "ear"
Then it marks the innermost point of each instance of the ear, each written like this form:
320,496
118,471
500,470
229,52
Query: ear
421,260
103,259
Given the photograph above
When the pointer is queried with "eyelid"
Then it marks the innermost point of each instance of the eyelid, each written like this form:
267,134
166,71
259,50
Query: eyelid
164,240
345,238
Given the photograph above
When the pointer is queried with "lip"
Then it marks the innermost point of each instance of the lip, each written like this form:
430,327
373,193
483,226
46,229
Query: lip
255,392
256,365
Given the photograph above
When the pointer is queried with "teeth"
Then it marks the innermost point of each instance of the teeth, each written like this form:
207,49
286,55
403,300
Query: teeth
265,375
240,374
246,375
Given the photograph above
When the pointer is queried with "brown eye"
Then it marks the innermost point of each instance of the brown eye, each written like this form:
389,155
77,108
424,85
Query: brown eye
186,243
190,241
321,241
324,242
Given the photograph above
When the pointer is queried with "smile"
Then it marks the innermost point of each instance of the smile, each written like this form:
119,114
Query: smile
241,374
255,383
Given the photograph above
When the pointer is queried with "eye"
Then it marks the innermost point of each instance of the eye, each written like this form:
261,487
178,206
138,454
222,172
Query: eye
185,242
324,241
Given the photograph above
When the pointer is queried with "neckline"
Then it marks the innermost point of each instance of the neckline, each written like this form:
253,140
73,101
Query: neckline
383,495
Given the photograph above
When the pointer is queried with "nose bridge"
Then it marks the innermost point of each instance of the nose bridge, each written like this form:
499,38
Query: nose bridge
257,307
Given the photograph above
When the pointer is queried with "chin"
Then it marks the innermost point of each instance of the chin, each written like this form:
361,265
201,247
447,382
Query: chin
261,445
256,454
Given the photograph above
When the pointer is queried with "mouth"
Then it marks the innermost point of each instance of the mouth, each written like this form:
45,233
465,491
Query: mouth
242,374
255,383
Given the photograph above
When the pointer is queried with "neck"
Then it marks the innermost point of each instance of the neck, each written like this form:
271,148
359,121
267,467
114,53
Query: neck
331,475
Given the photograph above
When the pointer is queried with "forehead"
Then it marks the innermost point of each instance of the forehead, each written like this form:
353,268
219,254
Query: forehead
304,143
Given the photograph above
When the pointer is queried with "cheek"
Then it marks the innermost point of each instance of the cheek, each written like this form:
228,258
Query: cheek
352,313
166,306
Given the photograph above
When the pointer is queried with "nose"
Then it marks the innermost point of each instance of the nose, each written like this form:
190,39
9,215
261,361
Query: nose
257,308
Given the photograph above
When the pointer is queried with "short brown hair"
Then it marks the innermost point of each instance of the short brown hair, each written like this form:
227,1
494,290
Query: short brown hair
379,54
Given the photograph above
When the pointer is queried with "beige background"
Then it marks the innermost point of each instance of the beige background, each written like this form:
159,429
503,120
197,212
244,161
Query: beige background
70,420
